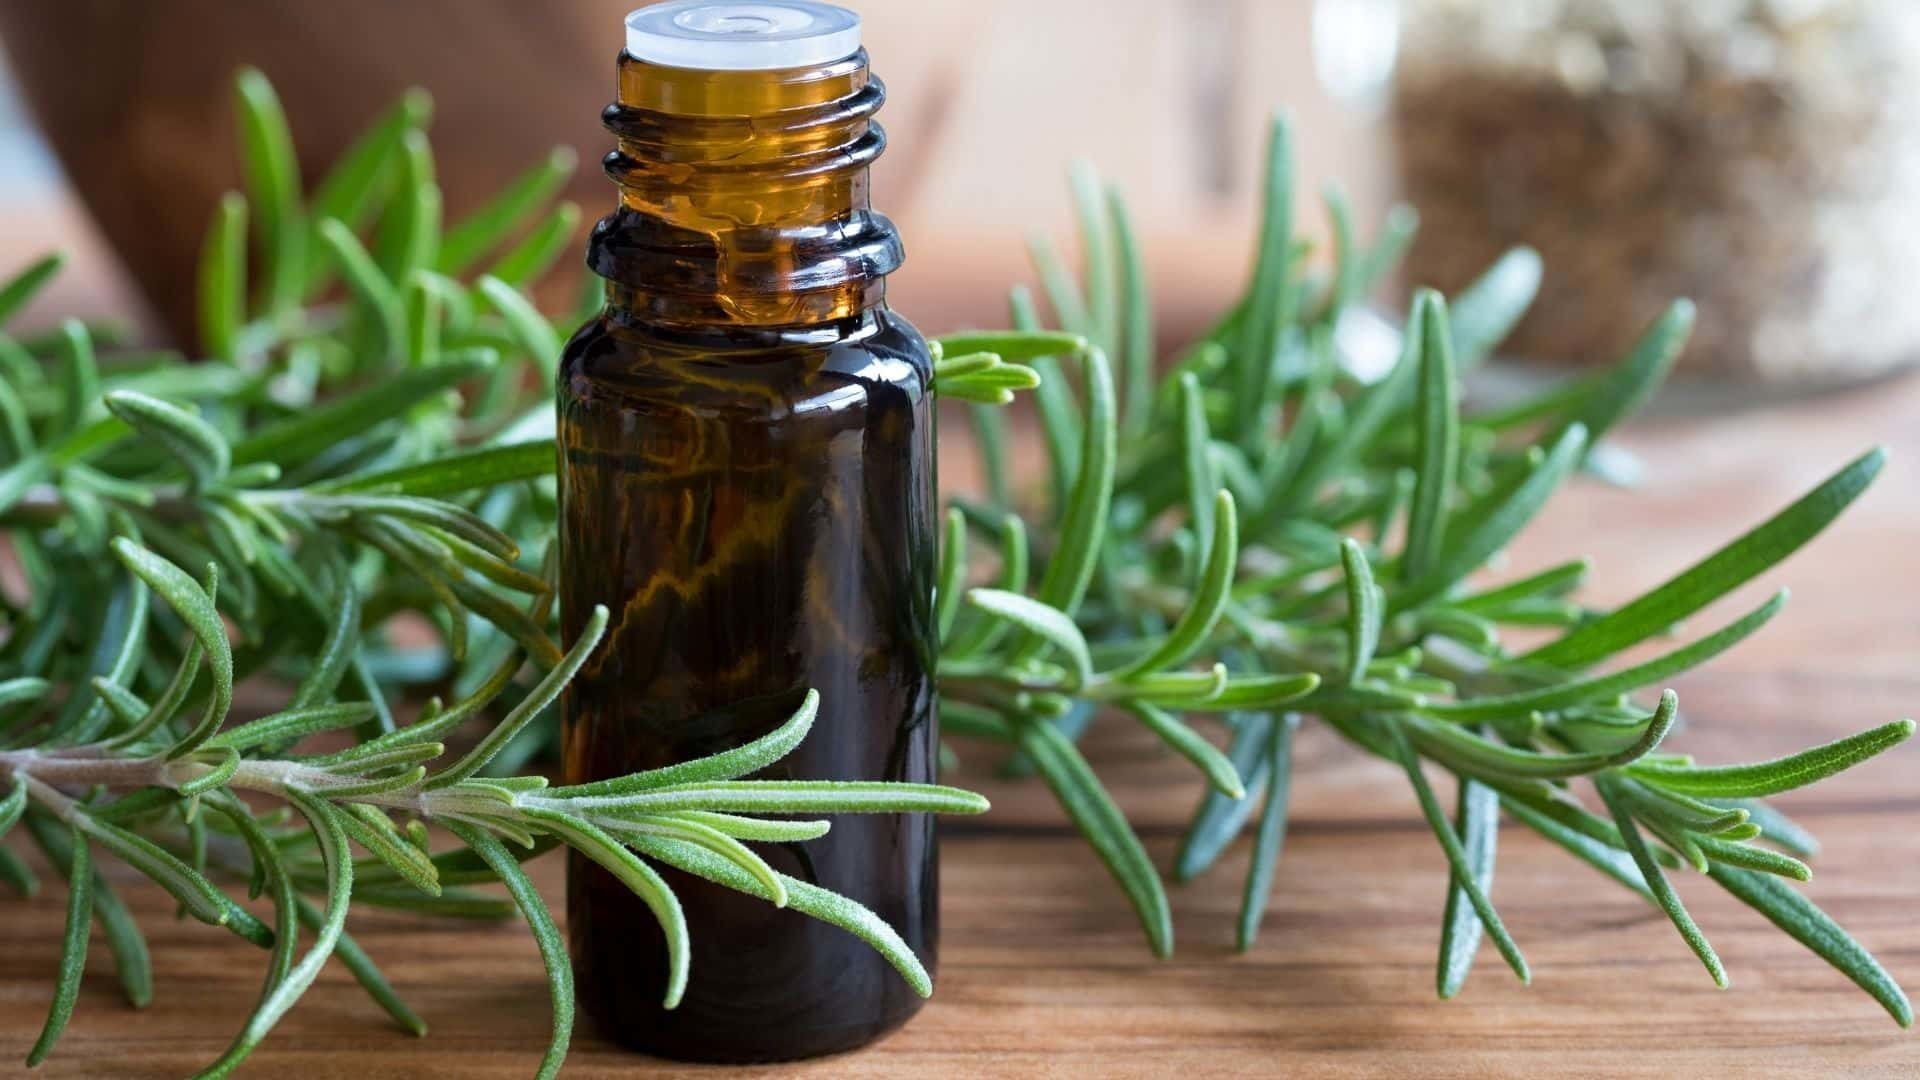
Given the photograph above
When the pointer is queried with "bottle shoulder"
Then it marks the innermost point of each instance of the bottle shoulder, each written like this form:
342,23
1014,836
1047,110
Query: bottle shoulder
746,371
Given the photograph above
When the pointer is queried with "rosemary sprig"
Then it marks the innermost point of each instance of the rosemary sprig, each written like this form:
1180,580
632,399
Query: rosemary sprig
369,442
1347,526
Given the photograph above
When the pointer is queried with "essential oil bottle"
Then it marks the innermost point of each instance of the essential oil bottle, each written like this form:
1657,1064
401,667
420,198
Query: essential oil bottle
747,482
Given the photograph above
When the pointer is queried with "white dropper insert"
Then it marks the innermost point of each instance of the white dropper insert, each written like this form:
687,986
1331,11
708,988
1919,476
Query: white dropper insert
710,35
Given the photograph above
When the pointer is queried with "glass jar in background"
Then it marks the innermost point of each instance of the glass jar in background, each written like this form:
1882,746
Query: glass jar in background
1759,156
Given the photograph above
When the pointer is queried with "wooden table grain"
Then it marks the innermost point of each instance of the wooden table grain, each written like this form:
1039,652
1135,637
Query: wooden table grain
1043,972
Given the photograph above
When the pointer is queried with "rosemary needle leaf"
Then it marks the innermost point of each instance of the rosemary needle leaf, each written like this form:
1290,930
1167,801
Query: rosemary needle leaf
17,874
1811,927
1363,610
1209,598
195,607
1063,292
1136,318
1196,444
305,434
523,713
1093,812
273,188
1437,434
28,688
1477,821
1632,381
409,232
1270,833
748,828
371,287
488,226
80,375
553,946
163,708
1219,817
1468,753
1044,622
222,285
747,758
1604,857
1722,850
1346,284
1663,893
328,831
1252,692
374,832
1268,298
534,255
1781,774
1493,527
73,950
1552,582
1060,423
131,960
182,433
198,895
775,796
952,573
217,765
643,880
1012,345
488,467
1717,574
270,873
982,634
1462,868
706,836
12,807
1777,828
364,971
283,728
1489,308
990,431
1180,689
352,186
529,329
1600,687
1083,524
1396,233
1191,745
809,900
1096,255
23,286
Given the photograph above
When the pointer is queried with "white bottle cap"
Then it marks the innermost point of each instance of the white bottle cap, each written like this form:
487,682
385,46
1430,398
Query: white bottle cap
714,35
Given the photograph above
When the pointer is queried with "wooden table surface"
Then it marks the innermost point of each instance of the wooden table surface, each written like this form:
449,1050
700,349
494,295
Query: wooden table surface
1044,973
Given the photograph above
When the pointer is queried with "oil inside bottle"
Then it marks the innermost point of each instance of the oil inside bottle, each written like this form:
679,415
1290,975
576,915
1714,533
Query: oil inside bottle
746,481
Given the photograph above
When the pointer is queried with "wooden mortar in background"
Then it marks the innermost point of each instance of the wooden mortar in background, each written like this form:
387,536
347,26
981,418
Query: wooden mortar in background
989,101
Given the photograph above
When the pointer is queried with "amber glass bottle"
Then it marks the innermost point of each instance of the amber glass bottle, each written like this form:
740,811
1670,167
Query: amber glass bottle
746,481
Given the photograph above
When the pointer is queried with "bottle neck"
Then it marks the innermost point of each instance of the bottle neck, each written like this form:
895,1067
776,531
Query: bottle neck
744,195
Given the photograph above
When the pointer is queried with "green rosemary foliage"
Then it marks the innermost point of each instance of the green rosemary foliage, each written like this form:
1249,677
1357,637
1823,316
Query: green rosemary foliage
340,499
365,450
1276,538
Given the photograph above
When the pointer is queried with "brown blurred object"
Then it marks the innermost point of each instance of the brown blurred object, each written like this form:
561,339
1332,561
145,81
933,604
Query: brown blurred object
1759,158
136,100
989,101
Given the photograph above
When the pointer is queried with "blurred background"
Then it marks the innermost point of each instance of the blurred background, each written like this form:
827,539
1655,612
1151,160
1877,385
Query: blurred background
989,100
1758,155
